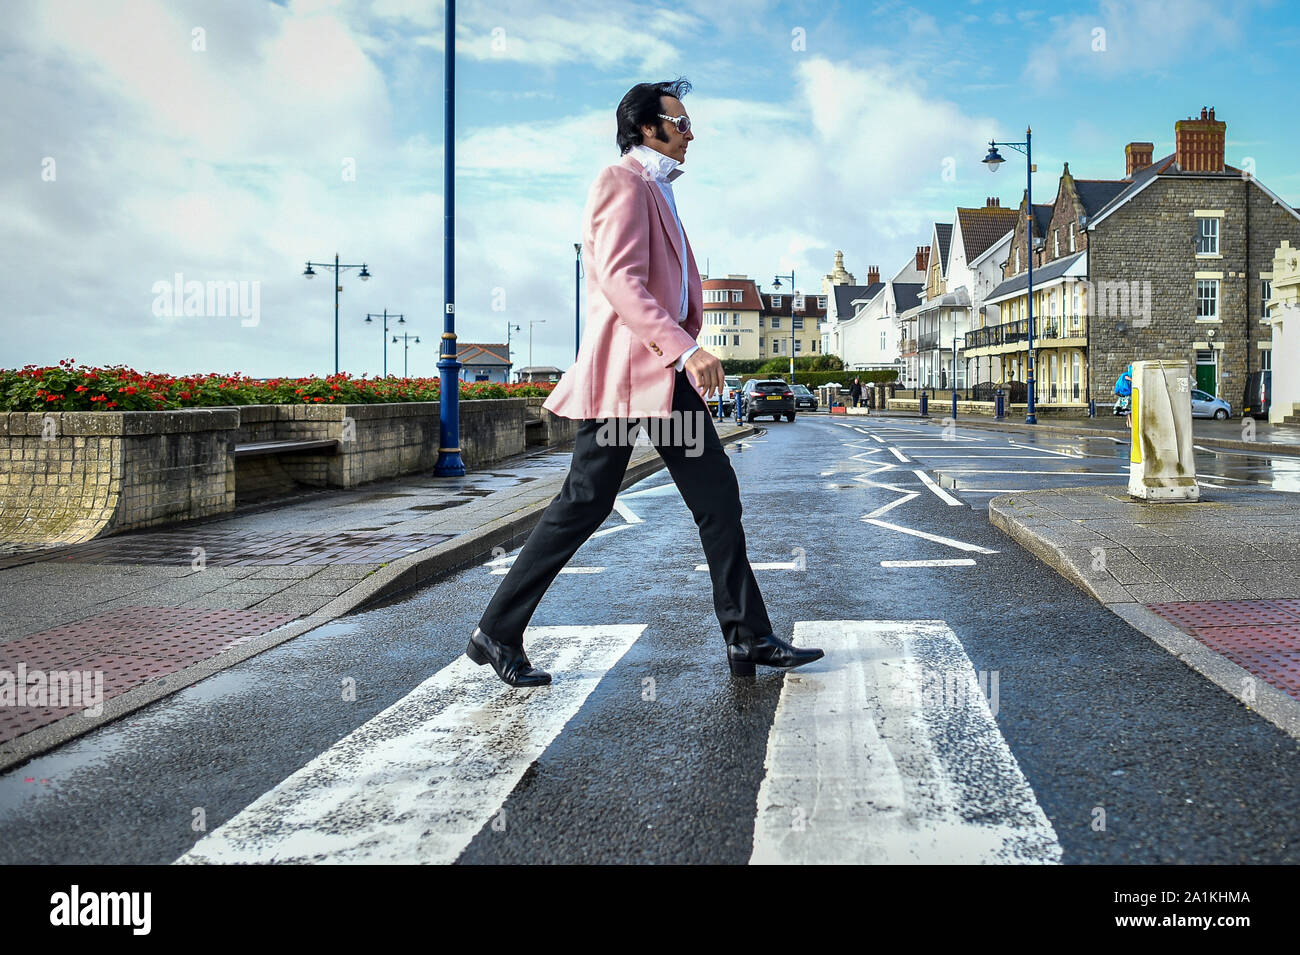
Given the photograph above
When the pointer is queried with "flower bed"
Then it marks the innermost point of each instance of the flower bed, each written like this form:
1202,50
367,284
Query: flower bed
72,387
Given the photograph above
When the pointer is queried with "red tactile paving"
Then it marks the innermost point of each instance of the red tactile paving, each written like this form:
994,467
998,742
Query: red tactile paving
1260,636
128,647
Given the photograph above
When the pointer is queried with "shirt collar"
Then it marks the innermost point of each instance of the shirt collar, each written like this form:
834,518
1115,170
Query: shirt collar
663,168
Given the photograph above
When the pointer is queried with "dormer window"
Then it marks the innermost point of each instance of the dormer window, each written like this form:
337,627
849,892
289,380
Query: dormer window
776,301
798,303
737,295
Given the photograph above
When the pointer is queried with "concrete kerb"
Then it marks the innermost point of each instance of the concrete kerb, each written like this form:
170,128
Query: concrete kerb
1261,448
388,580
1271,703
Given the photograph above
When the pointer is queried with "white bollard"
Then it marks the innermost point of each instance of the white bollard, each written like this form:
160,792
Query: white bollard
1162,462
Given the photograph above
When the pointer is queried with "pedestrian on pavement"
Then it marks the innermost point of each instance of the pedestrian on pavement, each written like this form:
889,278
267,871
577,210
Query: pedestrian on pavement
644,311
856,392
1124,389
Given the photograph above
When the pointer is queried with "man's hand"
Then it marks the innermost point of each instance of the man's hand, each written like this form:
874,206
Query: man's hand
707,371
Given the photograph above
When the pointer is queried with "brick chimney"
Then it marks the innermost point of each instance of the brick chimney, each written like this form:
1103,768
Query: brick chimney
992,202
873,275
1200,142
1137,156
922,254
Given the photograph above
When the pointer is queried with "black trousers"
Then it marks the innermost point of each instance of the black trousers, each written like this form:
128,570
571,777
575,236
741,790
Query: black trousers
703,474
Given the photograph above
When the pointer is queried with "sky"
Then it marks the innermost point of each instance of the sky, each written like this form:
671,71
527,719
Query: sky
227,142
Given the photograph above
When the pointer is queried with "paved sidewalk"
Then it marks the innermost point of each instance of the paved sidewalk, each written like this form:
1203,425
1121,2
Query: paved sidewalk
1216,582
152,612
1228,435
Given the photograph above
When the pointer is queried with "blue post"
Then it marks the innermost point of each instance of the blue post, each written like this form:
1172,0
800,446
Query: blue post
449,462
925,405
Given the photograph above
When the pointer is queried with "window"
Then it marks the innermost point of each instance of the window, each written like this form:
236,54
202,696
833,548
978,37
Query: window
797,343
760,321
1074,315
776,321
1016,270
1071,236
735,339
797,305
1056,243
1265,293
821,301
776,346
798,324
776,301
882,341
735,318
715,295
1207,236
737,295
1207,300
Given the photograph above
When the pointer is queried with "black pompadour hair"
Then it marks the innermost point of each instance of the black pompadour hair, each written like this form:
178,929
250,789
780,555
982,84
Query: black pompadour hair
640,107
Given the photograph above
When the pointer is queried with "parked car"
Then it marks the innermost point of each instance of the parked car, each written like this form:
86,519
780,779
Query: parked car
1205,405
1259,394
804,400
764,396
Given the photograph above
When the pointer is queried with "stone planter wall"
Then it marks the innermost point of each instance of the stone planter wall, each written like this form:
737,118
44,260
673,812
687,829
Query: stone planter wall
67,477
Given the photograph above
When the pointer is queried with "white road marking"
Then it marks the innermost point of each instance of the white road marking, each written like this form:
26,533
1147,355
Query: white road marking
956,562
626,512
939,492
994,490
501,565
936,538
886,751
1030,447
910,495
876,437
611,530
768,565
418,781
900,455
1074,474
564,570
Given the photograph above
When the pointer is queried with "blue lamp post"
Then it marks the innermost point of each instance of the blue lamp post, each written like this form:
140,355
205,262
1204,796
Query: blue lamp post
449,463
993,160
776,284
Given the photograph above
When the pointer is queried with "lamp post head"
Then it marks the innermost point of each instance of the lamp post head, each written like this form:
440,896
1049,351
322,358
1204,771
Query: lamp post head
401,320
776,282
994,159
394,338
308,273
365,274
417,339
368,321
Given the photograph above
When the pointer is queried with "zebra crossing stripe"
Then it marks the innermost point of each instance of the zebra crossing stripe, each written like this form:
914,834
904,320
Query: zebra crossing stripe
886,751
418,781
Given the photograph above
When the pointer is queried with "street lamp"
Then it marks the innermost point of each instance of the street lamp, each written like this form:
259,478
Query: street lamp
406,340
364,276
993,160
776,284
401,320
509,327
531,323
449,463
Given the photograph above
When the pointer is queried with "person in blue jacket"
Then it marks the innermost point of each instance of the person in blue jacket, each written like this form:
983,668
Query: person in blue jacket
1124,389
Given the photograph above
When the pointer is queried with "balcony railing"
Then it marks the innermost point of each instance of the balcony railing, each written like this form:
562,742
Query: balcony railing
1013,333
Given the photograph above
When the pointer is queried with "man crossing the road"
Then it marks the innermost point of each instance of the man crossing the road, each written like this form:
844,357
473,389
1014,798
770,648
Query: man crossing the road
639,361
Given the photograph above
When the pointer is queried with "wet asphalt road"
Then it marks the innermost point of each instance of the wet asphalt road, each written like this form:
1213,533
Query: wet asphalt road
1096,715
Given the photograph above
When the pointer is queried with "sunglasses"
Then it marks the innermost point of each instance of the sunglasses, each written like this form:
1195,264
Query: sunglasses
683,122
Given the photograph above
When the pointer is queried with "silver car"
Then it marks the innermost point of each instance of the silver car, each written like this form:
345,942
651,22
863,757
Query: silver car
1205,405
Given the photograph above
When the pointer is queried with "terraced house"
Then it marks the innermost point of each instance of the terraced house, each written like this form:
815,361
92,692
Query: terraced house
1172,261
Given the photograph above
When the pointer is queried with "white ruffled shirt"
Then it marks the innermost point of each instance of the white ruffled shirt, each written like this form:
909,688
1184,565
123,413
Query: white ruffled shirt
665,169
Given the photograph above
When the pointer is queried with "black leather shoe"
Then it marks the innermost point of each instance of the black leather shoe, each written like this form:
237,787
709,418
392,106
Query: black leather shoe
510,662
769,651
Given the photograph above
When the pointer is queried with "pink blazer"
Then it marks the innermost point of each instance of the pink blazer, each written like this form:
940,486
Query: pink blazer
624,367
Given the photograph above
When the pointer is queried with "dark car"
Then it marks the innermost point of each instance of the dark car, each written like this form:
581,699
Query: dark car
804,400
1259,394
763,396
